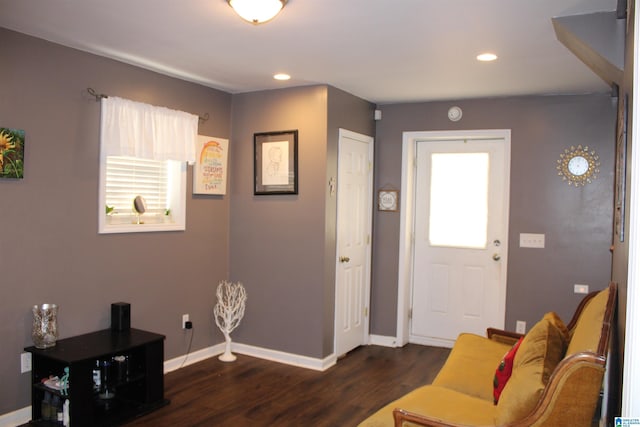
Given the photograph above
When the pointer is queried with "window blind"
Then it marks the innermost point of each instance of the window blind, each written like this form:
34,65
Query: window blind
128,177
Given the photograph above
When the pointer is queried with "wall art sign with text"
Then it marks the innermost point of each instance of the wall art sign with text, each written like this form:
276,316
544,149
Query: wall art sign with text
210,169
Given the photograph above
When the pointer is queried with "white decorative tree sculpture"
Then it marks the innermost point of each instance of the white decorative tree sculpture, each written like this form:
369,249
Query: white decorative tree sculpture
228,312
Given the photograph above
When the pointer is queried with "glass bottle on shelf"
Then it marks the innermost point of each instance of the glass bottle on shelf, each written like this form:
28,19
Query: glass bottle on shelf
96,377
106,380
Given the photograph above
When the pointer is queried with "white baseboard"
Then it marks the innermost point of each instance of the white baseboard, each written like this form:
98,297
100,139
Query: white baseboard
286,358
433,342
22,416
191,358
249,350
383,341
16,418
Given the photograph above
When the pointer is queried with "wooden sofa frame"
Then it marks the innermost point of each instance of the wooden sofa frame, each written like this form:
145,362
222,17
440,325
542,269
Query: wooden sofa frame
553,392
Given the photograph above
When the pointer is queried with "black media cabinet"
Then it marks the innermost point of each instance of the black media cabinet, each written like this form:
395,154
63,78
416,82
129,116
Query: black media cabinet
138,391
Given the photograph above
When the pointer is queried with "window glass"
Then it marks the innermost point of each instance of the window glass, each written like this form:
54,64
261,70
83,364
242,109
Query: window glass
458,208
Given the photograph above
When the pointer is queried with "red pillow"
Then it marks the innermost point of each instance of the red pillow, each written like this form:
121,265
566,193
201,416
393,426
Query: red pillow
503,373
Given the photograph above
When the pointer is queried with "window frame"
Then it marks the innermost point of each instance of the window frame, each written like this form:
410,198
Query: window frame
177,193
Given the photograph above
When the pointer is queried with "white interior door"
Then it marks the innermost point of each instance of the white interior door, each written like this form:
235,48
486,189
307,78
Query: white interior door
460,240
353,242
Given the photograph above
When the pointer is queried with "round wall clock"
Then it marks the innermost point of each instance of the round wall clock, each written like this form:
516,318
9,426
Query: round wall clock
578,165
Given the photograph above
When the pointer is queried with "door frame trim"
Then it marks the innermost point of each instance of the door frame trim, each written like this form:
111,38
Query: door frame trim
407,209
369,140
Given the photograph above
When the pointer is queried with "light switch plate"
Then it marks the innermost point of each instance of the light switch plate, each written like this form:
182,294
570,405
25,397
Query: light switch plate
531,240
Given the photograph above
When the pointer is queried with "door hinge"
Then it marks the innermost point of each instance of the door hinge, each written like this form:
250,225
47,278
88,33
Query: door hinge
411,313
366,311
368,239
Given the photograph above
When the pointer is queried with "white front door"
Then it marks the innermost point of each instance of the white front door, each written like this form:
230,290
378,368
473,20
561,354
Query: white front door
460,239
353,242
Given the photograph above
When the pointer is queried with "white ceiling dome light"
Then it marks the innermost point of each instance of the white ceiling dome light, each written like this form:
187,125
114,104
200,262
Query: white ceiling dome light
257,11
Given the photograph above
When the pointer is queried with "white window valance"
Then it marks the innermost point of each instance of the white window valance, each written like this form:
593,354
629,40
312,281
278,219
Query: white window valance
134,129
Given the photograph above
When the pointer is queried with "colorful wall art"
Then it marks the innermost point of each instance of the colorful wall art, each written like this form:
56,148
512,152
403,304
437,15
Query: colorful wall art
210,169
11,153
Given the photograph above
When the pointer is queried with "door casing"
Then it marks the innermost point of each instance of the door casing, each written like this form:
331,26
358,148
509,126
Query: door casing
407,210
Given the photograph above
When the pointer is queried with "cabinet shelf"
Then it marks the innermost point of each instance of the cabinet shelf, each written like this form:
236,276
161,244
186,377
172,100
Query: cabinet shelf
53,391
140,392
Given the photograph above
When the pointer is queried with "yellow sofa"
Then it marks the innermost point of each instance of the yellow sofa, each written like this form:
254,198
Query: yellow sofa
556,379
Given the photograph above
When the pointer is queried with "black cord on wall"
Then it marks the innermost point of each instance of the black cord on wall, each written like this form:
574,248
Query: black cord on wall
188,326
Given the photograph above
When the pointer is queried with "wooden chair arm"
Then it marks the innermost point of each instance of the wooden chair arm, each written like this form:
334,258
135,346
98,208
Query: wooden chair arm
400,416
506,337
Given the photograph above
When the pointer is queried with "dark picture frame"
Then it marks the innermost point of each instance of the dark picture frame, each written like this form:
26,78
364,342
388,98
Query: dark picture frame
621,167
275,167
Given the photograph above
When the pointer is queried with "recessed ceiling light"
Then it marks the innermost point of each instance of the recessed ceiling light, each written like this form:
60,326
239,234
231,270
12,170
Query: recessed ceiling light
486,57
281,76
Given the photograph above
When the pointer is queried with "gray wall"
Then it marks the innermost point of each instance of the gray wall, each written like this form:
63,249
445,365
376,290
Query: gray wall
277,241
576,221
347,112
49,247
283,247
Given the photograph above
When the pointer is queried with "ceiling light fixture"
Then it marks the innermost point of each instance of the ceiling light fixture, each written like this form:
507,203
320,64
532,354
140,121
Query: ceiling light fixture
487,57
257,11
281,76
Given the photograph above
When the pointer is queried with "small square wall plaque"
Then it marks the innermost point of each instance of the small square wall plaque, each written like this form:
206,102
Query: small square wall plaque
388,200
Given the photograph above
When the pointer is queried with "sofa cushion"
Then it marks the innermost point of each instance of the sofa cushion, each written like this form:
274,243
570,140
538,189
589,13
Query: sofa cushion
586,333
471,366
503,372
541,350
439,403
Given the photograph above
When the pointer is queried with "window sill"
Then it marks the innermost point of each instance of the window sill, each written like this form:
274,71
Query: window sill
108,226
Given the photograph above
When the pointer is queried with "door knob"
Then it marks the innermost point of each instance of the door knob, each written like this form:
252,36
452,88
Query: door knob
496,257
345,259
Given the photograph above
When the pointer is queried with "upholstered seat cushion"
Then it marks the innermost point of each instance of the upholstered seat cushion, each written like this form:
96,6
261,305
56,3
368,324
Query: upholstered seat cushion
471,366
439,403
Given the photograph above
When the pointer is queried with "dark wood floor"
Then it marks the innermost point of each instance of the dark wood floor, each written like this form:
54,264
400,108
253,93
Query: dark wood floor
254,392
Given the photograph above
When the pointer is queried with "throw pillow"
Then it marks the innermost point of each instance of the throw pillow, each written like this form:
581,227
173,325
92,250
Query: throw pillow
503,373
542,348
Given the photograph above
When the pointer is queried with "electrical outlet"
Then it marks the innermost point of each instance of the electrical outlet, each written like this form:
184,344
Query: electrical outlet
25,362
580,289
521,326
185,319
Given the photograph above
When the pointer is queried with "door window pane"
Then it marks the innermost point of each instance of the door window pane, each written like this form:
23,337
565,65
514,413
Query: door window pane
458,212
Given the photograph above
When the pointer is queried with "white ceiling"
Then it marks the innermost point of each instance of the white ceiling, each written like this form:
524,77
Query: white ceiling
385,51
